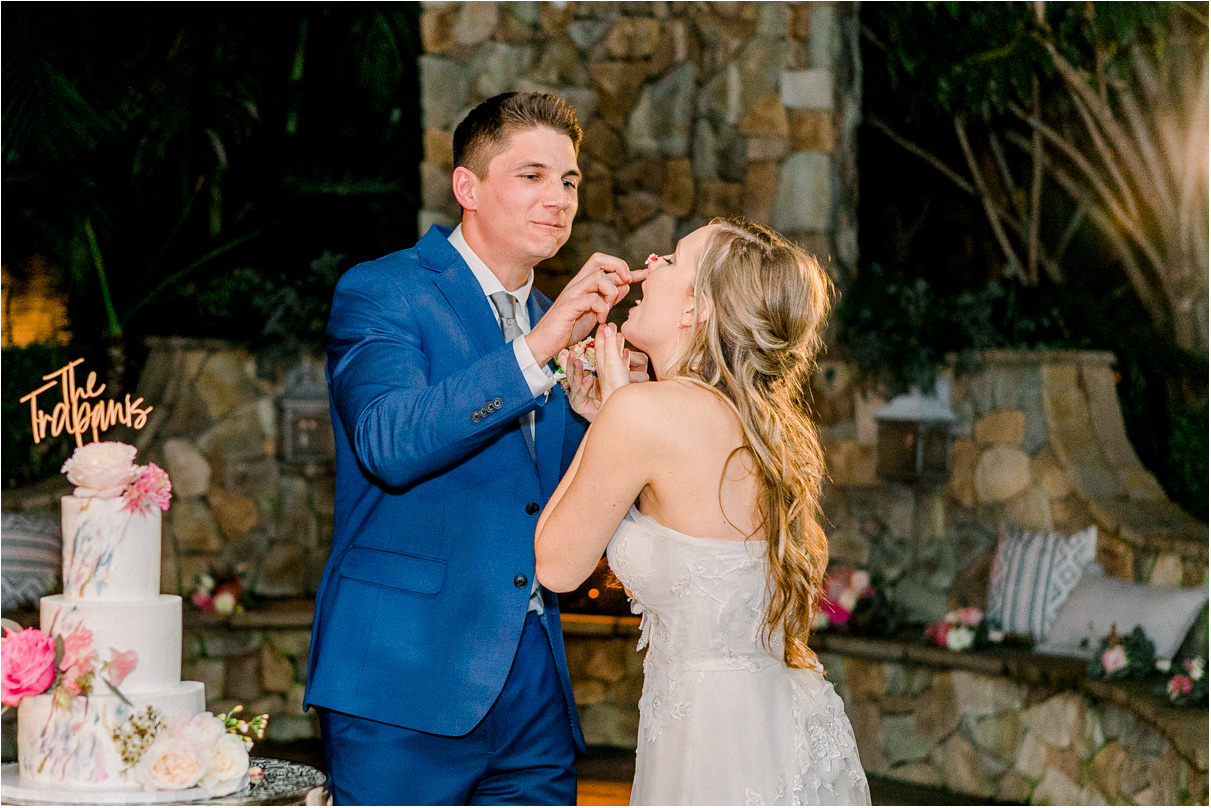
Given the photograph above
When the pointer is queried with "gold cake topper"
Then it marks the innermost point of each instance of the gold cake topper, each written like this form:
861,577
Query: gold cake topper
77,411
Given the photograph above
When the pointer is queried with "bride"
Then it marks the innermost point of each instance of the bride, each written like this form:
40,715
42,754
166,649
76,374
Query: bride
703,488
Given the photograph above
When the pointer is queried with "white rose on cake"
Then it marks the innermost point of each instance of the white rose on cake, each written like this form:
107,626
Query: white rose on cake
170,764
101,470
228,766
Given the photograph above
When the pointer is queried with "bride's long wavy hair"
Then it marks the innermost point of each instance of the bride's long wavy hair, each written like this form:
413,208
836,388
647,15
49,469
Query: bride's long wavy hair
767,301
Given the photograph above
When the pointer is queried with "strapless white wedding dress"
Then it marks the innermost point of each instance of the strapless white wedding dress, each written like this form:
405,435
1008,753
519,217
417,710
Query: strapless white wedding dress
722,720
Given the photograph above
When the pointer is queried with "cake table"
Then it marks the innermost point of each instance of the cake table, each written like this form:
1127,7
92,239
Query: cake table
285,783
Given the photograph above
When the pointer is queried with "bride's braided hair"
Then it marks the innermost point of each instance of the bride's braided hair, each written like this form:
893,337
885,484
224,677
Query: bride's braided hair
768,300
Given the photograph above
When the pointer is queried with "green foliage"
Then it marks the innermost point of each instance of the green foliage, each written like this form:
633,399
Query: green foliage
900,330
979,59
150,159
265,304
1188,451
23,460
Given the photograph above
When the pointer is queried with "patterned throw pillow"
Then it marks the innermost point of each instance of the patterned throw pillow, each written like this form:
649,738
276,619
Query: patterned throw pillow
31,560
1032,575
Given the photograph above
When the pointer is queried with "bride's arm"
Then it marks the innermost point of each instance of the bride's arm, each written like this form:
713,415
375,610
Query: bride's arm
606,476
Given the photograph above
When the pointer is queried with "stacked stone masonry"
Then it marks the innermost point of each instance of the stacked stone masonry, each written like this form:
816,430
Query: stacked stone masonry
690,111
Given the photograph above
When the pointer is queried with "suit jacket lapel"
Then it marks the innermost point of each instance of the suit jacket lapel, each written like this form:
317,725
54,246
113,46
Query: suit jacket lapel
549,419
464,294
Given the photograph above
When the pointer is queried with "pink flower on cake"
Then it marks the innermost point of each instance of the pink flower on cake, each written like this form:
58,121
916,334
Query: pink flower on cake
228,766
78,650
28,660
151,489
170,764
120,665
101,470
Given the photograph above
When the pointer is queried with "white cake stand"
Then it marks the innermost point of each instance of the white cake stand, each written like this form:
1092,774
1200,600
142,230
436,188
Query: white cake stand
13,788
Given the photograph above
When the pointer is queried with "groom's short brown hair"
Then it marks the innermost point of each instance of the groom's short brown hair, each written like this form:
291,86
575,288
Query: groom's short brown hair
483,133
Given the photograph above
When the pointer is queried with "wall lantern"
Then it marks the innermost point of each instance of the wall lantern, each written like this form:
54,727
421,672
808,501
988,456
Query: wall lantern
306,422
914,436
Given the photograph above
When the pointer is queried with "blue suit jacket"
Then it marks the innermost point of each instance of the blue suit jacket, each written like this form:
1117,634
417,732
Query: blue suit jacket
421,605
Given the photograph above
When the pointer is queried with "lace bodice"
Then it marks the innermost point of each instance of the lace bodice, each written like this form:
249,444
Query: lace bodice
722,720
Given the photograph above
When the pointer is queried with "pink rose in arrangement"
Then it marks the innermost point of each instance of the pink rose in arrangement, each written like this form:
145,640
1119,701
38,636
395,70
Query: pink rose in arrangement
1180,685
1114,659
78,650
28,660
101,470
151,489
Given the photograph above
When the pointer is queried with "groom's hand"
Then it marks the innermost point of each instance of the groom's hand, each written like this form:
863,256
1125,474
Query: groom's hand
583,303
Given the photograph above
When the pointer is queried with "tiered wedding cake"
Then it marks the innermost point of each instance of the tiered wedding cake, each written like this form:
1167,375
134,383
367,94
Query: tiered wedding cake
110,712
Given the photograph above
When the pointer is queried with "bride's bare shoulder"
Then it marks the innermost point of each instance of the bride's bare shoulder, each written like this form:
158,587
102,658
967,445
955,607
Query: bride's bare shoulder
663,404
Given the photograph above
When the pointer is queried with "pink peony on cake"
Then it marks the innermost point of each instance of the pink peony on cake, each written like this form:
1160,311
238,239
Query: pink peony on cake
101,705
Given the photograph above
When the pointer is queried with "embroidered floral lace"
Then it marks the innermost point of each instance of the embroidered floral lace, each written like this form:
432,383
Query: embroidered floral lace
722,720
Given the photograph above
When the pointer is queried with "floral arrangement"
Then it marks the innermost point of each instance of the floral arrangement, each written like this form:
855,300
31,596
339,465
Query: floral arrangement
1131,656
220,592
1188,689
68,666
844,587
107,469
961,630
203,750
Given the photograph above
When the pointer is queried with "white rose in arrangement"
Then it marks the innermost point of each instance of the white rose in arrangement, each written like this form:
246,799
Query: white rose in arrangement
101,470
228,766
170,764
203,730
960,638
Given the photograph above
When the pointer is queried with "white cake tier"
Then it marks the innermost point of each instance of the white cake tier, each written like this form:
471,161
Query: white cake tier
108,552
151,628
75,746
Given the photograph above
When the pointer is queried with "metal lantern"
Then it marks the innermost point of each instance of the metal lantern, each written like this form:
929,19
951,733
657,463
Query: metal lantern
306,421
914,436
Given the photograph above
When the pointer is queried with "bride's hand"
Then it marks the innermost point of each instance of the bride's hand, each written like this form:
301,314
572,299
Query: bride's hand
614,367
583,394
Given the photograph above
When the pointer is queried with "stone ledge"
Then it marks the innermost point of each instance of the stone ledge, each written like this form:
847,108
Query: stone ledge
1185,728
279,614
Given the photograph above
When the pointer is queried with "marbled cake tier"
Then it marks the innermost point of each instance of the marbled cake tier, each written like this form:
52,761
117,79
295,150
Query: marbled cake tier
74,746
150,627
109,551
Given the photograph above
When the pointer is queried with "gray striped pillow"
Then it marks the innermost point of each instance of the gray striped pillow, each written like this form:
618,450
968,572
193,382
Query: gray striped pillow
1032,576
31,557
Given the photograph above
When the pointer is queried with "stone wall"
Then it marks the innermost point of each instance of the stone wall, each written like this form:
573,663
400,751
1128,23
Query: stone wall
690,110
1039,443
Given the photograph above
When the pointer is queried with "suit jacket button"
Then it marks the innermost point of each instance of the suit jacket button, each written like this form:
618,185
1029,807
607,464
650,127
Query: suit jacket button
497,403
532,508
520,581
476,417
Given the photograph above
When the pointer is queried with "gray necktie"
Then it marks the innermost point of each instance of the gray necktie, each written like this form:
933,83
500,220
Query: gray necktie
506,310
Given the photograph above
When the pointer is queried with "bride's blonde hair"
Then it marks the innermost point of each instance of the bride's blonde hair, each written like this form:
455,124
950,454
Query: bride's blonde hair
766,301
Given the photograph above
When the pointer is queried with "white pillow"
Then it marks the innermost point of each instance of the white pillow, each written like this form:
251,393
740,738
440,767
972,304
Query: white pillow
1032,575
1097,603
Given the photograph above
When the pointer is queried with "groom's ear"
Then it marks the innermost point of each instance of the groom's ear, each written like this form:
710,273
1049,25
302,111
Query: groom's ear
465,184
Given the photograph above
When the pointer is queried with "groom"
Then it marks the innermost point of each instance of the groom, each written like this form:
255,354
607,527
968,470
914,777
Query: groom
437,665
